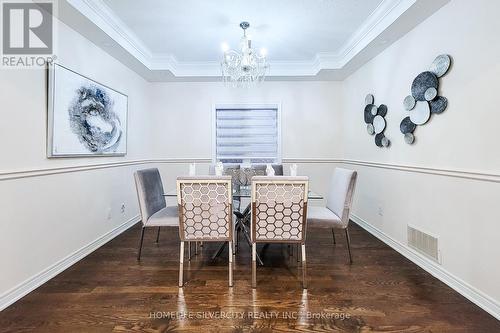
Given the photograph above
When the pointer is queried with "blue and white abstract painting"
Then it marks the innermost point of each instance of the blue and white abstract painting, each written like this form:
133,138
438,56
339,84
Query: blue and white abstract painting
85,117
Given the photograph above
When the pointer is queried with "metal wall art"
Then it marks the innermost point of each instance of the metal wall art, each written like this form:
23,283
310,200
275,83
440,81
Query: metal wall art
424,99
374,118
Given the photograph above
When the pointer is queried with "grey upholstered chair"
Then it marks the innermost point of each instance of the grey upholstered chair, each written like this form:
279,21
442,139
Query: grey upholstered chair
279,215
278,169
260,169
338,204
205,214
154,210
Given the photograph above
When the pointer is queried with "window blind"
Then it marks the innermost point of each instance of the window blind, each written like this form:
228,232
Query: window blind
247,135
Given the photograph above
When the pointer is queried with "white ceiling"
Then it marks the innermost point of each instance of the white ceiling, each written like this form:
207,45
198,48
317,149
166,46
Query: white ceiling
291,30
167,40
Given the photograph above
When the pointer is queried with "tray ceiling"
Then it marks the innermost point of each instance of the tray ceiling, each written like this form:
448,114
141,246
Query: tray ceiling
305,39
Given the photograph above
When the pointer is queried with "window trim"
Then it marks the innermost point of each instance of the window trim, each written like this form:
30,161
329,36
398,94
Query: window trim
216,106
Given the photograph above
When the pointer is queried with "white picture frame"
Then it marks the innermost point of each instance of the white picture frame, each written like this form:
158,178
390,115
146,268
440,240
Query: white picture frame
85,117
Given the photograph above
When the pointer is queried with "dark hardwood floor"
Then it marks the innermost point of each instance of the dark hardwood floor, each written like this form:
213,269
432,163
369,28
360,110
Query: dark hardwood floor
109,291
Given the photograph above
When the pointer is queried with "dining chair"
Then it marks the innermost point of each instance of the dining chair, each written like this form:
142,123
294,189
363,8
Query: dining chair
154,210
205,214
278,169
338,205
279,210
242,223
233,170
260,169
243,217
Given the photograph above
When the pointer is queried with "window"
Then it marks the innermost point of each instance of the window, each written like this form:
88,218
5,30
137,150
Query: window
247,134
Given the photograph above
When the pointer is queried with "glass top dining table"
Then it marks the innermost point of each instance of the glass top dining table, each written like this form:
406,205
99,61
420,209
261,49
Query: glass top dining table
247,193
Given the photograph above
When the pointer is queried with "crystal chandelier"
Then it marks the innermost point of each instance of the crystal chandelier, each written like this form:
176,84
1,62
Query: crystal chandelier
245,67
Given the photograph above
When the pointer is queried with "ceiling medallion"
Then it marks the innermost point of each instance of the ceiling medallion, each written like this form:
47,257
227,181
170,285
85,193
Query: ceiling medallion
243,67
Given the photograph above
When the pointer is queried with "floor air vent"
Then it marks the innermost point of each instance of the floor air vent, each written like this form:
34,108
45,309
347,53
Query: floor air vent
423,243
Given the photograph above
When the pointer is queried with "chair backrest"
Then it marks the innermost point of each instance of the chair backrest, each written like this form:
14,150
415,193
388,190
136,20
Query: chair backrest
261,169
233,170
150,192
278,169
279,208
205,208
341,192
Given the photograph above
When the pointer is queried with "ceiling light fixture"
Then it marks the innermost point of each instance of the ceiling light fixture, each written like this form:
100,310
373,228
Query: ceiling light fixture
245,67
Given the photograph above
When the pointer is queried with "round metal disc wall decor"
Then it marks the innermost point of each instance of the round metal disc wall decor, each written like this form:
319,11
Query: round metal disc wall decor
440,65
368,114
420,113
378,139
369,99
409,138
409,102
379,124
407,126
374,118
438,104
430,94
385,142
382,110
424,99
421,83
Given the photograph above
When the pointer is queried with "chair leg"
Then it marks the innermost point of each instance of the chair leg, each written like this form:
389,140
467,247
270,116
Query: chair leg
140,244
304,267
189,251
181,265
246,234
236,234
254,265
333,235
348,244
298,252
230,263
158,236
195,248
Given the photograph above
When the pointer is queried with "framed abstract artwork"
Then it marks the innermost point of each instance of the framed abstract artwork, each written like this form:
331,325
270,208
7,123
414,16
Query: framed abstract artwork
85,118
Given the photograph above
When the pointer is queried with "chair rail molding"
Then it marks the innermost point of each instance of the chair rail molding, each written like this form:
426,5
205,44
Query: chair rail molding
457,173
27,173
40,278
476,296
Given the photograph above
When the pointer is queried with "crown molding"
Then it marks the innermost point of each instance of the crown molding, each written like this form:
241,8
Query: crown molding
104,18
385,15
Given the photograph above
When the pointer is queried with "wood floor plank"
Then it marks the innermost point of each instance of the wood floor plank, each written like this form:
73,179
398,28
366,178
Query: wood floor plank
109,291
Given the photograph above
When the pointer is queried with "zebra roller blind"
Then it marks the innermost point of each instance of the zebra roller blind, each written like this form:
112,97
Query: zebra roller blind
247,135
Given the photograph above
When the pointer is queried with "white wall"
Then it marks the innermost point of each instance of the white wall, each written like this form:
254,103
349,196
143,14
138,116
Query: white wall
462,212
311,121
47,218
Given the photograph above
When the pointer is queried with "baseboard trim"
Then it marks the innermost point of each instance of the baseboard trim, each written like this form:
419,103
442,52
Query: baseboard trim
475,296
37,280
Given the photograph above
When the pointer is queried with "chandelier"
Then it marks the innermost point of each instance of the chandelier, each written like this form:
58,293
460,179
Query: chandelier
245,67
